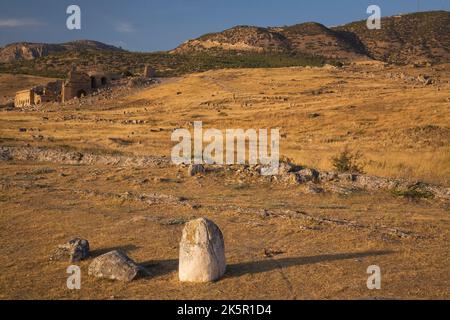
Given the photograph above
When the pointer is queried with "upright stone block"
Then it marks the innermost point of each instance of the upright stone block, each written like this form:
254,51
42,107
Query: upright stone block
202,252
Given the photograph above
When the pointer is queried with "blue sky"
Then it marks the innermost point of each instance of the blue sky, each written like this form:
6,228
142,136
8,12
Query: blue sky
152,25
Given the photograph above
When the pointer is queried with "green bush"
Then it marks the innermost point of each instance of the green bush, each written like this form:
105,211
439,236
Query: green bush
348,162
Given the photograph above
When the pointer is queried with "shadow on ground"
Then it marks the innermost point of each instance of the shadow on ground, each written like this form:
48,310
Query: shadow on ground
163,267
239,269
156,268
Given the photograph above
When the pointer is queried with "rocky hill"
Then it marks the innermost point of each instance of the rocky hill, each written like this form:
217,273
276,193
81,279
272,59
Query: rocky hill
402,39
417,38
240,38
306,38
318,40
30,51
406,39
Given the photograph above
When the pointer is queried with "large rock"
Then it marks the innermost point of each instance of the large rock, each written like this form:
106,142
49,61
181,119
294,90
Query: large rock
114,265
75,250
202,252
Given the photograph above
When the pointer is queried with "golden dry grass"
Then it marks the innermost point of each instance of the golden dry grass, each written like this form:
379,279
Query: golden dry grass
401,129
41,209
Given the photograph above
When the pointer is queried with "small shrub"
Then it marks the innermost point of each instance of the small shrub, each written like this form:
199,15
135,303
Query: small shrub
347,161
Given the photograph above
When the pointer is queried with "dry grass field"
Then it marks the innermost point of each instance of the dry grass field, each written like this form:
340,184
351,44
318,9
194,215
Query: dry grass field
281,242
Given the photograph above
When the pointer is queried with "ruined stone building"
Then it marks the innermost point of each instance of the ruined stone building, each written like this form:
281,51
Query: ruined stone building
40,94
78,84
24,98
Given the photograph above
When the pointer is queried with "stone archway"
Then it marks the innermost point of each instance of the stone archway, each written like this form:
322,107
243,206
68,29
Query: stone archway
81,93
93,83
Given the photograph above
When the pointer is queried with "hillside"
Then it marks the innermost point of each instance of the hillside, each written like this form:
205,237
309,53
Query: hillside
402,39
408,38
29,51
316,39
306,38
240,38
57,65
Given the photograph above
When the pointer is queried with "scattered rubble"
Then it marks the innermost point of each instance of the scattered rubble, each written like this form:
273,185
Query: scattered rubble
288,173
381,229
79,157
147,198
140,82
328,181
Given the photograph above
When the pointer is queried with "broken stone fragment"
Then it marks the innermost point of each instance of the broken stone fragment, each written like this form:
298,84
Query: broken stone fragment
313,189
5,154
307,175
285,168
202,252
195,169
75,250
114,265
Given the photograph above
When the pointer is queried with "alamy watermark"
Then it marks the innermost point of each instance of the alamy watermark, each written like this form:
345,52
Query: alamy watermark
374,21
74,280
374,280
190,149
73,22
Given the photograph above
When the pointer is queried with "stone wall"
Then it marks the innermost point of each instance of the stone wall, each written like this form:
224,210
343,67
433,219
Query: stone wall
24,98
77,85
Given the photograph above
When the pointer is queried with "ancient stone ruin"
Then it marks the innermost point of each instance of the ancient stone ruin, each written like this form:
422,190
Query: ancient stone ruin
202,252
80,84
77,85
37,95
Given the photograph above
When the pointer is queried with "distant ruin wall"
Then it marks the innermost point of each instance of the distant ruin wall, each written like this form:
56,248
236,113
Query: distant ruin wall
24,98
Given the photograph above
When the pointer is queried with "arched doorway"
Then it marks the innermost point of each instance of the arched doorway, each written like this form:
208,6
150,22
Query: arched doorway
104,81
93,83
81,93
